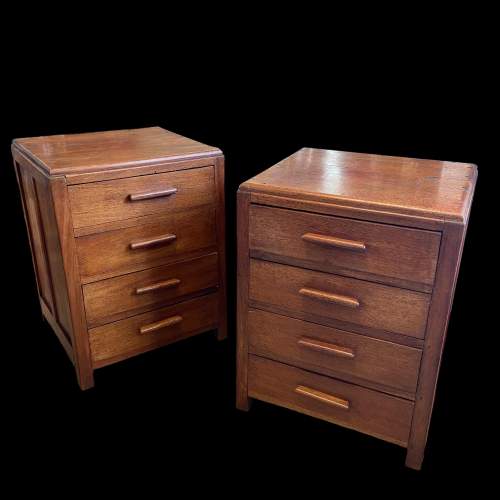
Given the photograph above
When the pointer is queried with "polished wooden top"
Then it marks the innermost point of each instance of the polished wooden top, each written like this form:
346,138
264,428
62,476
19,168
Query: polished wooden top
424,188
90,152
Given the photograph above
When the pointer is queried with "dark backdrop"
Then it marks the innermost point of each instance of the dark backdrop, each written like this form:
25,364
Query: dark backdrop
172,410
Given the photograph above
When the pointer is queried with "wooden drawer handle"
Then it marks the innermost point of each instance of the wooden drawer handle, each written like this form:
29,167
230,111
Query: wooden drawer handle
323,397
319,345
160,285
164,323
331,241
159,240
341,300
152,194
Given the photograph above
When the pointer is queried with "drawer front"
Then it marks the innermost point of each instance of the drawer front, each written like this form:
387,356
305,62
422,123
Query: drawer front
380,415
130,249
334,352
335,244
122,339
115,298
300,292
106,201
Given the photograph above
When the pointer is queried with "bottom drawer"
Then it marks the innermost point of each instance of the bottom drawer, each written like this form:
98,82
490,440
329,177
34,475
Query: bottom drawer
122,339
380,415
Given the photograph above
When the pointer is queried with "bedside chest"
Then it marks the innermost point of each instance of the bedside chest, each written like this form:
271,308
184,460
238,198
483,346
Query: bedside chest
127,237
347,265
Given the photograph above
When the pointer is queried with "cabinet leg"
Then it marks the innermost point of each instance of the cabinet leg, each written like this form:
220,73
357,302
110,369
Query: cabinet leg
243,402
85,379
415,457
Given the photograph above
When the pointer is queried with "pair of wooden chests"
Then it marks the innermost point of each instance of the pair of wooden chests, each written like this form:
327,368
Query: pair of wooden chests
347,265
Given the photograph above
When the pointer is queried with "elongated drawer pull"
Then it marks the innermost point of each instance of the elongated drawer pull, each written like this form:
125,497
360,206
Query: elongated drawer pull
160,285
159,240
331,241
319,345
323,397
152,194
341,300
164,323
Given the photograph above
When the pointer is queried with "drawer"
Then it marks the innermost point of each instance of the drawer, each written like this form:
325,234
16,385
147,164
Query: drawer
114,298
106,201
159,241
361,249
125,338
304,293
333,352
380,415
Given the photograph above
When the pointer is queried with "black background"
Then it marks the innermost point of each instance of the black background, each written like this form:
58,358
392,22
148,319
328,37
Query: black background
171,413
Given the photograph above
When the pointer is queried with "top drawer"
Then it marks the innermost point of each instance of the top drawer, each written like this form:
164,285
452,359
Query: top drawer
364,250
118,199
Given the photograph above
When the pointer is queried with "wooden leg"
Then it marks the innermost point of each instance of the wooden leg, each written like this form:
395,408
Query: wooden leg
415,457
243,402
221,239
84,370
85,381
452,241
242,399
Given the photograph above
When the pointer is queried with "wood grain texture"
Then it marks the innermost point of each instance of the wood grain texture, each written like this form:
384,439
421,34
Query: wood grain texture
108,254
220,221
37,237
116,298
390,367
116,215
123,338
46,252
349,262
408,186
60,334
137,170
50,232
71,267
442,299
371,412
242,400
53,250
356,213
24,202
90,152
280,285
389,251
107,201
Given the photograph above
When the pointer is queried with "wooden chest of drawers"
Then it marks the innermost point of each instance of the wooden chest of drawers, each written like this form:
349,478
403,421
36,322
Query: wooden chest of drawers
127,237
347,265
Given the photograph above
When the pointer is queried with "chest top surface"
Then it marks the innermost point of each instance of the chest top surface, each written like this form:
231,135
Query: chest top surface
423,188
76,153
